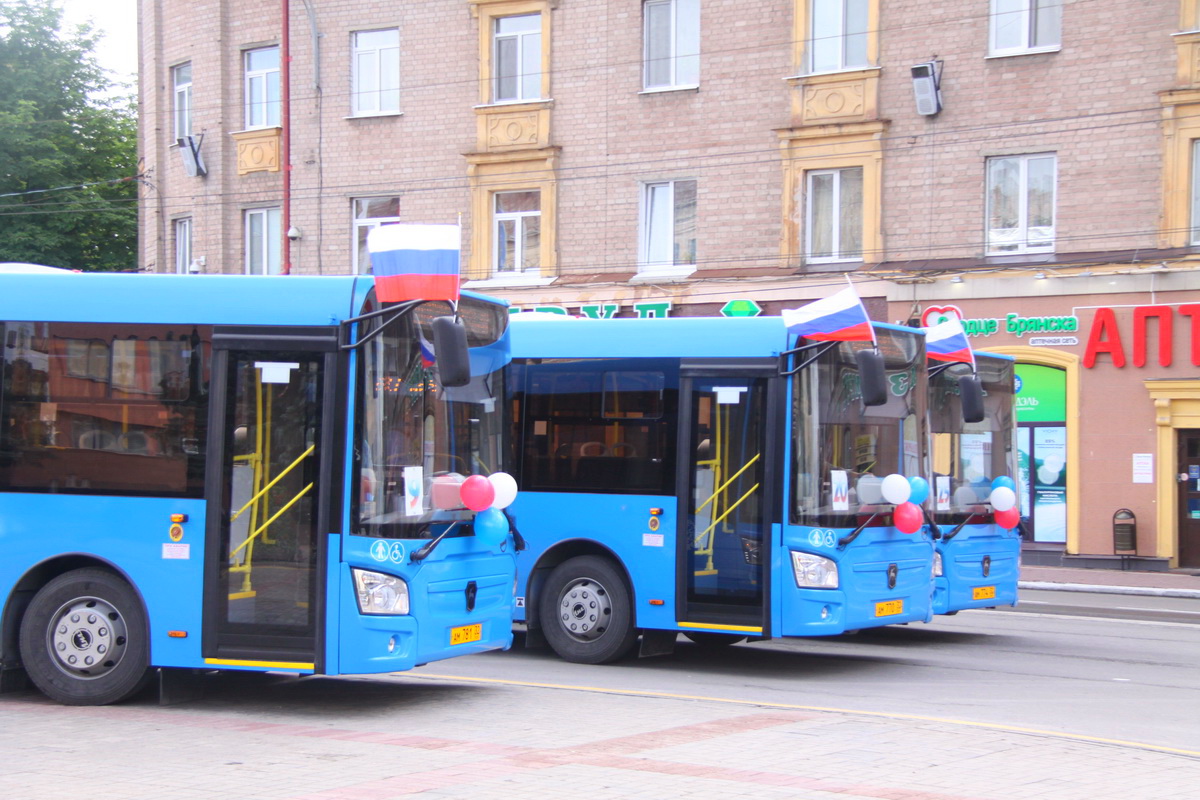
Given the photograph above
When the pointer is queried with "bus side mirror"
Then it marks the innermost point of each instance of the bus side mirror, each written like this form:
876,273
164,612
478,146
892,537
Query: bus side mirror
970,391
872,378
450,350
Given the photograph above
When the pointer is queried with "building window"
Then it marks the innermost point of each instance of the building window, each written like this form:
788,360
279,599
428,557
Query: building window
518,232
837,35
1020,201
183,245
376,72
262,241
1194,238
181,78
672,47
1024,26
262,87
668,226
370,213
517,58
834,221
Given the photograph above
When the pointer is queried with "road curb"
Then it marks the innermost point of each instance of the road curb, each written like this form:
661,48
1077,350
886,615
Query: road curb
1193,594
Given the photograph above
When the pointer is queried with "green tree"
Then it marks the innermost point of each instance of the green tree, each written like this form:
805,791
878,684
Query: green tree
61,126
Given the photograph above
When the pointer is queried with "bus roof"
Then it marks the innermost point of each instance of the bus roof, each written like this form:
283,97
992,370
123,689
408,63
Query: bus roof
670,337
196,299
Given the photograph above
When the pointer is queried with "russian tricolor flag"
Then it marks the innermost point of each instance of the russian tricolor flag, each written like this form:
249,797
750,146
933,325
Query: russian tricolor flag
840,317
415,262
947,341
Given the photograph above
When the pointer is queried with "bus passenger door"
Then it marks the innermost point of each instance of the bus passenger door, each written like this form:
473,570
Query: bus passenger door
724,503
263,595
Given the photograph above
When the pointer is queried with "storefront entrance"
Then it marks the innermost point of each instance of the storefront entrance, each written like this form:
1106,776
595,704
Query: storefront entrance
1042,452
1188,476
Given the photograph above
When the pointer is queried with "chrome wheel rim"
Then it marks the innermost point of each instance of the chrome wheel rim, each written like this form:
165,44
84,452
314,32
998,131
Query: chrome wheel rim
584,609
87,639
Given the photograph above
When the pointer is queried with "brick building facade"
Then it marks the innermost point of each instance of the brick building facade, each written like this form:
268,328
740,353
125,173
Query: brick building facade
668,156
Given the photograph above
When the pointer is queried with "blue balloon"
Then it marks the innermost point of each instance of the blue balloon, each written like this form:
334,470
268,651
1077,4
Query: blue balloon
920,489
491,526
1005,481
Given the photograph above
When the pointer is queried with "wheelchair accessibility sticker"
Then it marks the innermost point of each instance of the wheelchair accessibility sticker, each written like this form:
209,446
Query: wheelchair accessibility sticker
382,551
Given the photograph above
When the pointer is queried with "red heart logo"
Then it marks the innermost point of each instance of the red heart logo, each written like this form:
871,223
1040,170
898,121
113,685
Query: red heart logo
933,315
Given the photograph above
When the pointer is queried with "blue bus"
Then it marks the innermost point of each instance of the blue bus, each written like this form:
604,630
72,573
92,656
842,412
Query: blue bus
243,473
977,563
706,476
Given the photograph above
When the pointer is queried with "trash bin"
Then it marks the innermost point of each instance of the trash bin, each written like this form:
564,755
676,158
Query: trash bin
1124,532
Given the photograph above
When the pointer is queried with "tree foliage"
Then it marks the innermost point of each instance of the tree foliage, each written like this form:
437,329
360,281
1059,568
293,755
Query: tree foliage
61,126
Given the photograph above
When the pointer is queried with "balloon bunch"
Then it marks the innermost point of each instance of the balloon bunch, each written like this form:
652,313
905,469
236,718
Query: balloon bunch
905,496
1004,502
486,496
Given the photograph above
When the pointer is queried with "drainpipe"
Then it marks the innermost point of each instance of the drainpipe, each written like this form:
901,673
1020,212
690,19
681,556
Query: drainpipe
285,111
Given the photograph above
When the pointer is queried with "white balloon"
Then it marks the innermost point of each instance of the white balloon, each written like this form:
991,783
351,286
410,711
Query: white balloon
869,490
1003,498
896,489
505,487
964,496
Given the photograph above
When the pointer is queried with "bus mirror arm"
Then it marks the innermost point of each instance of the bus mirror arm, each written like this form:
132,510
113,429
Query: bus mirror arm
852,535
518,539
820,347
398,311
424,551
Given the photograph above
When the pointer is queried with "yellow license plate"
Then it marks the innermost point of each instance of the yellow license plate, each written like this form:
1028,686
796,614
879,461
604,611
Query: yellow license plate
983,593
466,633
889,607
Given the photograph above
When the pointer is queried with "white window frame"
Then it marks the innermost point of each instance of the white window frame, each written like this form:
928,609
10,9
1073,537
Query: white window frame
1194,236
837,256
183,245
265,112
528,84
1021,234
683,67
518,217
267,244
653,235
840,37
381,64
181,100
359,224
1026,18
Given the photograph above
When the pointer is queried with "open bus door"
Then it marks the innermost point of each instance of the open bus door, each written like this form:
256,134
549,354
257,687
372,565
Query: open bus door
268,487
726,458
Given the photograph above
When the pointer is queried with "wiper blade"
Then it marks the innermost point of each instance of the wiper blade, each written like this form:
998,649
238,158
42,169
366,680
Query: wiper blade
423,552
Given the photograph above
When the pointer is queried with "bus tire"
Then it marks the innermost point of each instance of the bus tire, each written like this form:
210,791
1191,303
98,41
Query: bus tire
84,639
709,640
585,611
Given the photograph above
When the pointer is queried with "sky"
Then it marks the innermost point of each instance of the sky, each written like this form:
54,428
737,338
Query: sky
117,21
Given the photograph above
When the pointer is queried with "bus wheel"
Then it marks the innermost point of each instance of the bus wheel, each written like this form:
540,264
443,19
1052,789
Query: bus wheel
713,640
585,611
83,639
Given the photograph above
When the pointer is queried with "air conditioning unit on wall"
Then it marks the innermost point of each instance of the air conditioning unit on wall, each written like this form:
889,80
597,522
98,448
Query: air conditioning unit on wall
927,80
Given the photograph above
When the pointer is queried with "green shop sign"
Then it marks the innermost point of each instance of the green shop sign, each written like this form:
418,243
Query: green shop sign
1041,394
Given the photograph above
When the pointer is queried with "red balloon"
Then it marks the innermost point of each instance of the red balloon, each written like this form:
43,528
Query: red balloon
477,493
1008,518
908,517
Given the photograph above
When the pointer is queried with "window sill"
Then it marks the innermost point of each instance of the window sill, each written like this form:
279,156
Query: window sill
835,73
507,104
693,87
1033,51
514,280
661,275
375,116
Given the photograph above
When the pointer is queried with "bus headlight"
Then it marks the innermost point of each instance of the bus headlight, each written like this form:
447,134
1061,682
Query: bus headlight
380,594
814,572
937,564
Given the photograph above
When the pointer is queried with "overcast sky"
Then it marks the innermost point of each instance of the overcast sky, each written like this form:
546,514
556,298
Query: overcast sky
117,21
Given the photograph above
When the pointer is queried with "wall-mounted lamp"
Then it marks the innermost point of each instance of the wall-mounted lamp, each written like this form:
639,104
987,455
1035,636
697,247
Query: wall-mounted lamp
1041,276
956,279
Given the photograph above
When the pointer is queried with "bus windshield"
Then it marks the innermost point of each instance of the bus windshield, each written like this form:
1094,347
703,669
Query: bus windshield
968,456
841,451
416,439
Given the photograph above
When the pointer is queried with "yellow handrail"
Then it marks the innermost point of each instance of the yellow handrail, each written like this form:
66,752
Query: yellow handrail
725,485
728,511
276,480
274,517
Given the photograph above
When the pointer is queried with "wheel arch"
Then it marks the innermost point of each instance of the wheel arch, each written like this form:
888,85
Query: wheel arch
563,551
33,580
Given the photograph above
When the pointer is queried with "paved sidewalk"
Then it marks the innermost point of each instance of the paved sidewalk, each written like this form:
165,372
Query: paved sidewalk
1111,581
